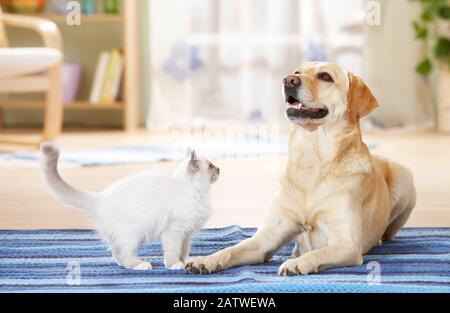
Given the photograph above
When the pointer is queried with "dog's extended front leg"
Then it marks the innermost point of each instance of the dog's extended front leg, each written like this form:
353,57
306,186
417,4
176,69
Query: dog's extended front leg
338,255
261,247
341,250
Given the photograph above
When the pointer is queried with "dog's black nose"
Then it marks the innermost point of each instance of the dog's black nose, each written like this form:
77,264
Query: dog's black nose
292,81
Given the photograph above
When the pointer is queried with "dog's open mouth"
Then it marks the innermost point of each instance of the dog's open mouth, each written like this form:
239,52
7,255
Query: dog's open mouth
296,109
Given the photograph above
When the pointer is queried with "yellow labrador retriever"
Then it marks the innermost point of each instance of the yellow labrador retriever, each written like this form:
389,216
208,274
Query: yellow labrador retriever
336,199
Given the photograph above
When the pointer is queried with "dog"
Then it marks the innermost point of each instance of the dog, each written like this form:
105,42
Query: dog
336,201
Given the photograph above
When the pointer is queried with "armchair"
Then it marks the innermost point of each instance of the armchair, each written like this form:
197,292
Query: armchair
31,70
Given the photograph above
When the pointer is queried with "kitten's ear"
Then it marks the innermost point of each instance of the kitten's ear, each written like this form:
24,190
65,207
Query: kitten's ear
194,165
193,155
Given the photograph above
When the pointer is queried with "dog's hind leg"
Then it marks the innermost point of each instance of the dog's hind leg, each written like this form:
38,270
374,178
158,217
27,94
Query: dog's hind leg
403,199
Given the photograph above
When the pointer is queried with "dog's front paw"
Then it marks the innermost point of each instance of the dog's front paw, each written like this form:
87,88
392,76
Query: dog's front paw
203,265
297,266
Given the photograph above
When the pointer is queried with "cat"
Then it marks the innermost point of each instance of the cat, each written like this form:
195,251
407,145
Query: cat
143,208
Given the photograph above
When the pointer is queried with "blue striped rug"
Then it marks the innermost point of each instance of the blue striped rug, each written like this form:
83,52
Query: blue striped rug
418,260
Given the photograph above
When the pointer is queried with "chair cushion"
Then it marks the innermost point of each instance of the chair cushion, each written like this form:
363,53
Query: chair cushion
22,61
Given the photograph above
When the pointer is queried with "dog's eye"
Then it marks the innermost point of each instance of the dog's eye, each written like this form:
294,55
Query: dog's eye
325,77
296,73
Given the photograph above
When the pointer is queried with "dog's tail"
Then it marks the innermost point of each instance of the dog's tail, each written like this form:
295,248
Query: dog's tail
61,189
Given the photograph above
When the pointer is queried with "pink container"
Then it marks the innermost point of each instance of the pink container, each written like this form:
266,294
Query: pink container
71,77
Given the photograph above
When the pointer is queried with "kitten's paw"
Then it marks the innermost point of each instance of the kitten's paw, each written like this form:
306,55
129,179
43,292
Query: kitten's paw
142,266
177,266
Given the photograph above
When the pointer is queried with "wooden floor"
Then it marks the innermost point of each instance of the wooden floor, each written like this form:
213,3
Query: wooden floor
242,194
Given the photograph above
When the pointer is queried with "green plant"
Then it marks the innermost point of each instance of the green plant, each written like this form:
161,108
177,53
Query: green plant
425,28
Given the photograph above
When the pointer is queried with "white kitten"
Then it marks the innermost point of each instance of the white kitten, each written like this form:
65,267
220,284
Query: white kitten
143,208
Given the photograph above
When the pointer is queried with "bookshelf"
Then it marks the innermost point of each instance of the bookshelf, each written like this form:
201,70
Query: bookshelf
99,17
77,105
127,20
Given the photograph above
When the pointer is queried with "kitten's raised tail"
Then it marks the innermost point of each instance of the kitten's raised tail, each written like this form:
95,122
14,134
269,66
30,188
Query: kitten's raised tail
63,191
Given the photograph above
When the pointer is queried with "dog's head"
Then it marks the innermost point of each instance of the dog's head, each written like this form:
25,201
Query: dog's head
321,92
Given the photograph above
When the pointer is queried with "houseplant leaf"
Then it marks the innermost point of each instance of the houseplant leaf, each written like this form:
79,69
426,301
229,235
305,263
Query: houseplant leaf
442,47
424,67
445,12
420,30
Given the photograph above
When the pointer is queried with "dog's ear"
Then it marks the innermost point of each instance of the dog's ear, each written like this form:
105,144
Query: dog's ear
360,100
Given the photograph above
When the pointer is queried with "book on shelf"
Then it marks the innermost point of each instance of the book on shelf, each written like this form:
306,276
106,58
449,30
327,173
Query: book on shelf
99,77
88,7
108,76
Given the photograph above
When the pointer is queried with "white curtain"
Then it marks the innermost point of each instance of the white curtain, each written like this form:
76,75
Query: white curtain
225,59
391,57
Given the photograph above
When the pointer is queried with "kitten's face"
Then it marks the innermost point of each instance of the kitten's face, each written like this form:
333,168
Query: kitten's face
202,169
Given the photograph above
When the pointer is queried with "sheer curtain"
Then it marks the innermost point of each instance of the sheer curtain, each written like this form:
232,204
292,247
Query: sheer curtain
391,56
223,60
